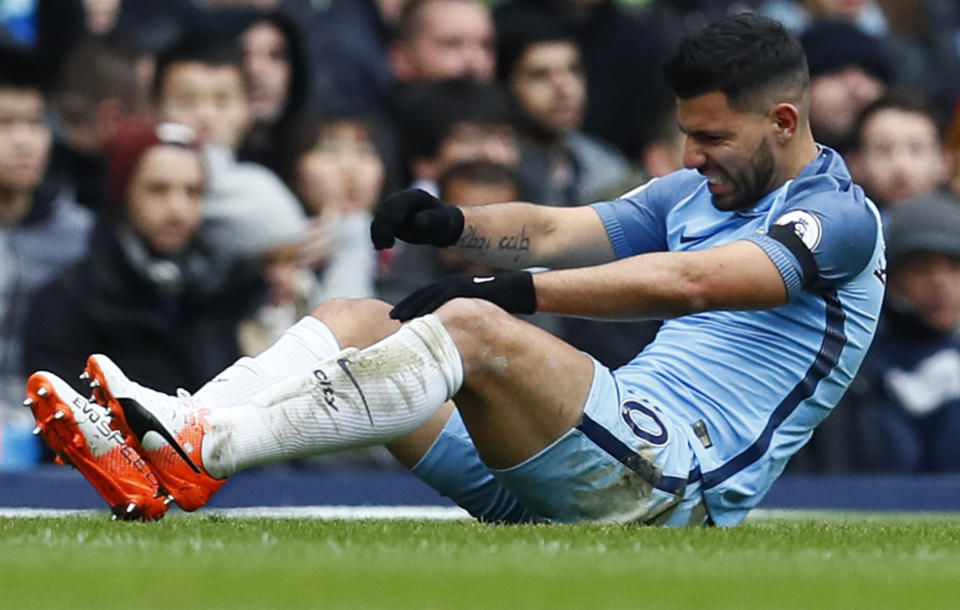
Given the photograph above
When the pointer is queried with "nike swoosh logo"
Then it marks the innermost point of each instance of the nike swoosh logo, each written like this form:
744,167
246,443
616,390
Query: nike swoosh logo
142,421
686,239
342,363
483,280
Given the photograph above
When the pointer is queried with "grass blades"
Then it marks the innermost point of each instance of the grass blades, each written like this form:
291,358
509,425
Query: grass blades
185,561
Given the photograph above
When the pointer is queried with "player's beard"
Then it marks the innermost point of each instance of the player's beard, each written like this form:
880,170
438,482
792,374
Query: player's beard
751,182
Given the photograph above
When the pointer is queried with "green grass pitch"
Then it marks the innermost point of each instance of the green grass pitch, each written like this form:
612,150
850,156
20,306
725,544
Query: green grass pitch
196,561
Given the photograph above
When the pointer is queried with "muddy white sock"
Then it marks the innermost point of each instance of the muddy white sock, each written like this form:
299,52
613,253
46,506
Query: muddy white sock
301,347
356,398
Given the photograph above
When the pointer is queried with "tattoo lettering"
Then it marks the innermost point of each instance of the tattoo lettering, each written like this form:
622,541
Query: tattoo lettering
471,240
517,243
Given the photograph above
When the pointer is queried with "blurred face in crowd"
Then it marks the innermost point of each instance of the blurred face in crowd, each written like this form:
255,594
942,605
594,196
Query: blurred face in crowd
472,141
468,141
732,148
165,197
267,64
929,283
390,10
838,9
454,39
900,156
343,172
548,81
24,139
837,98
101,15
211,100
462,192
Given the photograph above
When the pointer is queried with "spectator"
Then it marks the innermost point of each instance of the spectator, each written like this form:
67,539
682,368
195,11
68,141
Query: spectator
898,152
278,79
541,66
443,39
338,173
622,54
798,15
151,290
848,71
33,216
907,395
445,122
896,23
348,45
199,82
102,82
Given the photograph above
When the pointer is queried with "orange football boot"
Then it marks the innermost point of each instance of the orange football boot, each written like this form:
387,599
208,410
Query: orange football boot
166,430
79,433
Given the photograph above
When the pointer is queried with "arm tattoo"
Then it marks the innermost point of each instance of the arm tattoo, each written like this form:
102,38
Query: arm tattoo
472,240
518,243
515,246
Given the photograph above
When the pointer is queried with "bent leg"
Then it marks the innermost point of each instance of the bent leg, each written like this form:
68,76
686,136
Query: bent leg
523,388
356,397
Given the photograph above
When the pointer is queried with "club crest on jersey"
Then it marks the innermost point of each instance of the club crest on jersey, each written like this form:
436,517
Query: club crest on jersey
805,225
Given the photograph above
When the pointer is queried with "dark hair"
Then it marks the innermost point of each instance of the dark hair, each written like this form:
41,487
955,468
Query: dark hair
518,35
429,111
478,171
211,50
308,129
299,86
19,70
98,69
835,45
913,102
738,56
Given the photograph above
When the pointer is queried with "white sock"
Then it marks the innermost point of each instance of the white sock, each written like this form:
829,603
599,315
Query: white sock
357,398
301,347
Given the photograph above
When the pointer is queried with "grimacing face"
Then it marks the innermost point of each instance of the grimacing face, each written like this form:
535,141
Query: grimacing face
165,197
730,147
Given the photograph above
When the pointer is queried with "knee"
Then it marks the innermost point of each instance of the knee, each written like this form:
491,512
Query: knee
357,322
479,328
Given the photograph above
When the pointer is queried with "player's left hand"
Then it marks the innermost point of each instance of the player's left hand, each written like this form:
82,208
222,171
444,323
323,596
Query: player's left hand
513,291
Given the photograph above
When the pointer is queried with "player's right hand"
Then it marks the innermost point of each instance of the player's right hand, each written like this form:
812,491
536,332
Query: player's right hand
416,217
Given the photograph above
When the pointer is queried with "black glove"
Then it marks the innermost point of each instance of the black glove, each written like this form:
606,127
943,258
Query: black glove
416,217
513,291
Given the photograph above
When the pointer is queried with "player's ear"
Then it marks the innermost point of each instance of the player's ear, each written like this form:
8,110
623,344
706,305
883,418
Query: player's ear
785,118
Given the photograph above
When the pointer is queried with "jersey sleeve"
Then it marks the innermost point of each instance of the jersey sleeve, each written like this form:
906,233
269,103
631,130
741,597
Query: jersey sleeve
822,240
637,221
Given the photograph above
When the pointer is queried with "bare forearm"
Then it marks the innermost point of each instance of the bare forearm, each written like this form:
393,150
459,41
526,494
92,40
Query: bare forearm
520,235
663,285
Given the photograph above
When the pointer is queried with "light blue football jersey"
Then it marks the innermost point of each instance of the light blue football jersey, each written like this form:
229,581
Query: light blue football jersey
752,385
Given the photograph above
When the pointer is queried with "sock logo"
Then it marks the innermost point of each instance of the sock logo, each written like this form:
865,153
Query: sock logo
342,362
326,387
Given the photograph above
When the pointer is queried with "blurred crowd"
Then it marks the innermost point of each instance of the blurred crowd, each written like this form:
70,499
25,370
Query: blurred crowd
182,180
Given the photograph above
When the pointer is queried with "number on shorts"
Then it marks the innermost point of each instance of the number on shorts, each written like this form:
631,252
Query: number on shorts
643,422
